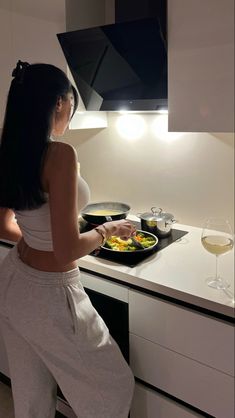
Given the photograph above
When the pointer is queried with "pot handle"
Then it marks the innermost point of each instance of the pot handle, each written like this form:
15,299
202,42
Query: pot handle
156,210
172,221
108,218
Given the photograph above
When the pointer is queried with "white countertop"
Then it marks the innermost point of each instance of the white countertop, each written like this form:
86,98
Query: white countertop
178,271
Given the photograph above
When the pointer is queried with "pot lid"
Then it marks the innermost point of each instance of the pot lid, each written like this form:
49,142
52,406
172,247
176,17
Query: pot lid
156,214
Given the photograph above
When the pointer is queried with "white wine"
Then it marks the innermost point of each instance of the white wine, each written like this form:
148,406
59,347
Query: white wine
217,244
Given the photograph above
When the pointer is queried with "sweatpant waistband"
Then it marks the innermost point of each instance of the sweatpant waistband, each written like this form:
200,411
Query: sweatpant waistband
44,277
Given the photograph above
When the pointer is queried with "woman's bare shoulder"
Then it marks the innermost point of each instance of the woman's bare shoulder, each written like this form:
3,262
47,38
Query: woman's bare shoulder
60,160
61,149
59,155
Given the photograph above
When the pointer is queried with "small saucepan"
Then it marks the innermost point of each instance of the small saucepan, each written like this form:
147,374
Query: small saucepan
157,222
100,212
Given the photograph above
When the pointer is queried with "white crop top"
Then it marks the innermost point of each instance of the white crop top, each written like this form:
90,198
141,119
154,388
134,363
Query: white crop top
35,224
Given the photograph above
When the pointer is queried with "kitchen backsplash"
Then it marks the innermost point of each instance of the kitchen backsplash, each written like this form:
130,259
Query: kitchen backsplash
190,175
135,160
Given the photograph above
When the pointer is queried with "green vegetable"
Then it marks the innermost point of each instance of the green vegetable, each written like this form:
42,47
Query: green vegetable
117,244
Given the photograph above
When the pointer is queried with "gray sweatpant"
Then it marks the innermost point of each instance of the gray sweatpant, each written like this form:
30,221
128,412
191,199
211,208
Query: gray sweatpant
53,335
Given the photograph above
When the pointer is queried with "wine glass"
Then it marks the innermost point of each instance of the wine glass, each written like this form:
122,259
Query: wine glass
217,238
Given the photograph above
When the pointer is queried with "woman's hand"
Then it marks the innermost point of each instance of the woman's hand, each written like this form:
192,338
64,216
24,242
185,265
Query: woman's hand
123,228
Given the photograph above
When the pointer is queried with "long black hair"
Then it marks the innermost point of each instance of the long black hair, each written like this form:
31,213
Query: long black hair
31,101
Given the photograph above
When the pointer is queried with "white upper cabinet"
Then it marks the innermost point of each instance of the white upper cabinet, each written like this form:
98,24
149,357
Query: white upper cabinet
201,65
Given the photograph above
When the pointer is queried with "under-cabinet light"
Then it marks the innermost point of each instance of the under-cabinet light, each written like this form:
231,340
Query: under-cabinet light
159,129
131,126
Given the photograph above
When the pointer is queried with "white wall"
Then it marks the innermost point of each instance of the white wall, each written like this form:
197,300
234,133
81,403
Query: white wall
28,32
188,174
81,14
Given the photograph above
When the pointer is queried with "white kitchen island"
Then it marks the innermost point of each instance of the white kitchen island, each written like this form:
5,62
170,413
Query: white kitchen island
181,332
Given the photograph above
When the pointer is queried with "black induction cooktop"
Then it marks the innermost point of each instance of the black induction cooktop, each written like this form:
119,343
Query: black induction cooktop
134,258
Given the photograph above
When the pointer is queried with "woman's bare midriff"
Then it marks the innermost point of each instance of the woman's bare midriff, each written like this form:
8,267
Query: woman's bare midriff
41,260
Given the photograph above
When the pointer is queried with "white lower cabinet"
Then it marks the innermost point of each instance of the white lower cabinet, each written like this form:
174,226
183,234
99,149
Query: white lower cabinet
150,404
197,336
186,354
194,383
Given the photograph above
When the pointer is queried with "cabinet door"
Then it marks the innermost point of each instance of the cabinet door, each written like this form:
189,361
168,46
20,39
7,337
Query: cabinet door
201,65
184,353
194,335
194,383
150,404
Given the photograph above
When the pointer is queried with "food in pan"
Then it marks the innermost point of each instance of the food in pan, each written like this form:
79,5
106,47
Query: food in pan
104,212
117,244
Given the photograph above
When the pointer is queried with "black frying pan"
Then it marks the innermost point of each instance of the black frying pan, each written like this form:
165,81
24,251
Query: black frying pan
129,258
100,212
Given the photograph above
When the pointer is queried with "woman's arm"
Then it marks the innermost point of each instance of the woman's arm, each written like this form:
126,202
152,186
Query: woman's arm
9,229
62,176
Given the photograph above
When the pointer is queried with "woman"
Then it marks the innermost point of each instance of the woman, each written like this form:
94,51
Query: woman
52,332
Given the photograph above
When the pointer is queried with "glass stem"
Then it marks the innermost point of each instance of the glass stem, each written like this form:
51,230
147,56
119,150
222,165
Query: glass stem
216,268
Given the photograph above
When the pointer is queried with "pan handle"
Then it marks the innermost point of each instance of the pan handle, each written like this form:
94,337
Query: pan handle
108,218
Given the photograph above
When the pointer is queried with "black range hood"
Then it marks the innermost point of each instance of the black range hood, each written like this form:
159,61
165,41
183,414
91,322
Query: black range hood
122,66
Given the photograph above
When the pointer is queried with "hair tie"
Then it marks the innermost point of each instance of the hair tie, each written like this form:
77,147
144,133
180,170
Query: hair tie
19,72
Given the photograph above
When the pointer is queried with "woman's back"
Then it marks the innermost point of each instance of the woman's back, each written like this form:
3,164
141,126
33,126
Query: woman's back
35,224
37,249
